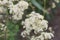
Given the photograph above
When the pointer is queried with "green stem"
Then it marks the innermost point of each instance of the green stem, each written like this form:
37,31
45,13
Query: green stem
44,6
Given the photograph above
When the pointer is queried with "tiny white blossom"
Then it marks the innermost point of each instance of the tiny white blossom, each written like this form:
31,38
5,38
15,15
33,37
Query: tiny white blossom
47,35
33,38
57,1
5,3
3,10
13,0
17,16
36,15
2,27
40,37
25,33
53,5
23,5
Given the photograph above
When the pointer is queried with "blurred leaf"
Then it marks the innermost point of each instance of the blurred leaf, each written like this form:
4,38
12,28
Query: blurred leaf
13,29
34,2
48,17
39,6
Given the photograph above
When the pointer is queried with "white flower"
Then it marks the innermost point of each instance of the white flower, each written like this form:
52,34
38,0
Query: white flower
33,13
40,37
57,1
5,3
25,33
17,16
22,5
13,0
2,27
53,5
3,10
47,35
33,38
18,9
44,24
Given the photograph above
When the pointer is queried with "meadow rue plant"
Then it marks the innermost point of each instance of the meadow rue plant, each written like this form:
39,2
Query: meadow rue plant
36,22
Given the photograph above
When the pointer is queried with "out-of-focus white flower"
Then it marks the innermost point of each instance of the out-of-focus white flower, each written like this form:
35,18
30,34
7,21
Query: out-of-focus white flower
57,1
17,16
22,5
53,5
13,0
40,37
47,35
3,10
5,3
2,27
25,33
44,24
43,36
33,38
18,9
36,15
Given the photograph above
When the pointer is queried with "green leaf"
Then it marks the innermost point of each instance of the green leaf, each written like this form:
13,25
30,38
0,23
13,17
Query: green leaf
34,2
13,29
39,6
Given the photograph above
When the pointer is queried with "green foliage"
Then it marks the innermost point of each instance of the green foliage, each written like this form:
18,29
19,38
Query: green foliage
37,4
13,29
42,7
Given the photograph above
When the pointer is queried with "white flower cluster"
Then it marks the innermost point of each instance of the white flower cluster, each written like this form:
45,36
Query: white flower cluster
36,22
4,5
16,9
2,27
